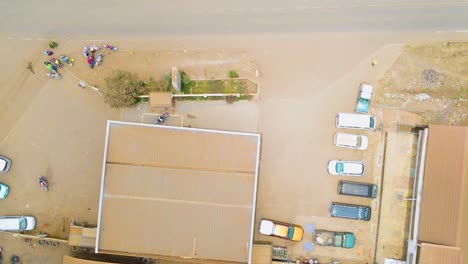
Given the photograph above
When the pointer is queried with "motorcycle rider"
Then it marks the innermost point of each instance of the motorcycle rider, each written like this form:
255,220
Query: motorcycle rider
65,59
162,118
50,66
43,182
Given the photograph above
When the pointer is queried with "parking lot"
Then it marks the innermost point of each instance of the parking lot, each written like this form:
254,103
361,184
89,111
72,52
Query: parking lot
61,135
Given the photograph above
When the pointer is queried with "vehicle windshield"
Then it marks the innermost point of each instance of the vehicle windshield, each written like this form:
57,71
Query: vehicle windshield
365,213
22,223
290,232
359,142
339,167
371,122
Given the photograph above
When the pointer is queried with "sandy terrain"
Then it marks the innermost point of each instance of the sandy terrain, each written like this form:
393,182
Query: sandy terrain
57,129
431,80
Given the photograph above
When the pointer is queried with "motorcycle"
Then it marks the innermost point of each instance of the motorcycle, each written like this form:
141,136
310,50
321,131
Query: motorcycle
109,47
43,183
56,62
48,52
66,60
50,66
54,75
161,119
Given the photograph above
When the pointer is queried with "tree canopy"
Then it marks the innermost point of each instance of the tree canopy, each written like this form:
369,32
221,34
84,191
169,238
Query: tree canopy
122,89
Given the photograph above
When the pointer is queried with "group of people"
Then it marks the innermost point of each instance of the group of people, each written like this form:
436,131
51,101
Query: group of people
89,53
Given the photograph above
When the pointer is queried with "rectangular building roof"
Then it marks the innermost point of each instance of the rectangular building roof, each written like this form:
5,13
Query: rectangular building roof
178,192
443,208
437,254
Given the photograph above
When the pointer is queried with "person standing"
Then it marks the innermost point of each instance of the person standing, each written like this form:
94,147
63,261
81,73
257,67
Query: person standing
91,62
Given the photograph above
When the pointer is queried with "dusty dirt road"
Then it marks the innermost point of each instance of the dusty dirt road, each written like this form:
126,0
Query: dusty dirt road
178,17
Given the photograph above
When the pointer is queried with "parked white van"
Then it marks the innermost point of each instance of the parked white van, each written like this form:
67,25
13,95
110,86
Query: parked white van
353,141
17,223
355,121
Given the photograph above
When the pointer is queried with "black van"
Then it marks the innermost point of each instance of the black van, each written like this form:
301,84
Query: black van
350,211
357,189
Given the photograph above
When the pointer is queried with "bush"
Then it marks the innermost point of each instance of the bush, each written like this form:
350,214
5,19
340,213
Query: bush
53,44
122,89
167,81
233,74
185,82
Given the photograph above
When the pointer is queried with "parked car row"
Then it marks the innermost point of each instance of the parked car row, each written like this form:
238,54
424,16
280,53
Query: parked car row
295,233
12,223
352,141
360,121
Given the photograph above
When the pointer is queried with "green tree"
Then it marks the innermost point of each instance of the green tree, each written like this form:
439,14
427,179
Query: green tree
122,89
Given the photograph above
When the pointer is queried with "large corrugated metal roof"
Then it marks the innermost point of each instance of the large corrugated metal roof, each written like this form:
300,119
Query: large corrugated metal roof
444,205
178,192
442,202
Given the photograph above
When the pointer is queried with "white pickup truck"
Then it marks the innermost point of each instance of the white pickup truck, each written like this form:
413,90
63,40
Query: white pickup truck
364,98
353,141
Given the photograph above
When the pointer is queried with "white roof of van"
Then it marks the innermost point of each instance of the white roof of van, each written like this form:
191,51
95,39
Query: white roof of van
9,223
346,118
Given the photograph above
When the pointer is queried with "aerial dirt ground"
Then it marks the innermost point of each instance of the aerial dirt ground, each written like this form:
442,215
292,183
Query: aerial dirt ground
430,79
56,129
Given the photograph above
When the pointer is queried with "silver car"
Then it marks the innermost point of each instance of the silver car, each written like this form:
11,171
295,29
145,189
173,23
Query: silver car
352,141
17,223
346,168
5,164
